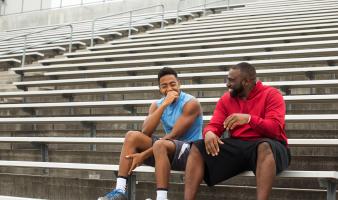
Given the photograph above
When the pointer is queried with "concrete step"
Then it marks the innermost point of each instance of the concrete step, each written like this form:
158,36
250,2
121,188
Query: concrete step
87,188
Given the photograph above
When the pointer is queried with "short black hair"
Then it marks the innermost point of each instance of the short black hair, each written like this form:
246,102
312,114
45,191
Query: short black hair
247,69
166,71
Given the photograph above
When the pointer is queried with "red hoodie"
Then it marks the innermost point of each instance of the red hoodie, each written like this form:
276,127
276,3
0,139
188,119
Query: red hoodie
266,106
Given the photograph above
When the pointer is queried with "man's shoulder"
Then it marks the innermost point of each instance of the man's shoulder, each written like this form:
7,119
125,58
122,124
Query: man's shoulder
187,95
272,90
273,94
225,97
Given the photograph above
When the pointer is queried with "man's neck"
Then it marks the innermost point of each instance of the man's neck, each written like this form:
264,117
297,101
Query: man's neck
245,94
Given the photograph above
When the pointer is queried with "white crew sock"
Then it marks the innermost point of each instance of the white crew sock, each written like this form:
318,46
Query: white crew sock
121,184
161,195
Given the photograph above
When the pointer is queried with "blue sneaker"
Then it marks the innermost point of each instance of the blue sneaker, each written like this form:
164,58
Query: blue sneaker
114,195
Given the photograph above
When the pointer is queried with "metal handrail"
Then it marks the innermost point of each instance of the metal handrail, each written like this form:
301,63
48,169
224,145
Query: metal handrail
204,6
130,19
24,48
33,45
38,31
79,22
121,24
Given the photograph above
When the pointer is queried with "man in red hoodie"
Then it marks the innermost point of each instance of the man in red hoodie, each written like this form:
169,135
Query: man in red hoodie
253,115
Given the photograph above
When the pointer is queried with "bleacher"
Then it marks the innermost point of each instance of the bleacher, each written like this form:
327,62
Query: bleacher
64,114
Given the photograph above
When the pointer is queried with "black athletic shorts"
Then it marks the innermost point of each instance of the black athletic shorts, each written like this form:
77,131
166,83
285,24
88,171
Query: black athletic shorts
237,156
178,160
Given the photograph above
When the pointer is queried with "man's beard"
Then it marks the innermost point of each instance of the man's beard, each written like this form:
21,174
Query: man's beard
236,91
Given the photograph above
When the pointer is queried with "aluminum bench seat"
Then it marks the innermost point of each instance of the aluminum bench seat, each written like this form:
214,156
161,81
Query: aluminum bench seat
199,87
288,99
222,36
125,66
182,76
212,41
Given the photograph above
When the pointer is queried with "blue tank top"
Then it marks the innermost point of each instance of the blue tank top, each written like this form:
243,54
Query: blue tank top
174,111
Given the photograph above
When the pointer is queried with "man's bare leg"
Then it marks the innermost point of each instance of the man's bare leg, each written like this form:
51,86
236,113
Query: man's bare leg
134,141
194,173
265,171
163,150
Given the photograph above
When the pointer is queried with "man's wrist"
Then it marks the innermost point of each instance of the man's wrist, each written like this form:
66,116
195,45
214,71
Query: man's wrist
249,119
210,132
164,105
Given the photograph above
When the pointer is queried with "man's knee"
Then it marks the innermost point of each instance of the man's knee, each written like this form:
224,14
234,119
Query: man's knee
163,146
264,150
132,136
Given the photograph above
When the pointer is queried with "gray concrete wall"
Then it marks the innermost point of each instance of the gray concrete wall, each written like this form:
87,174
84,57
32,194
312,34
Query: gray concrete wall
70,14
18,6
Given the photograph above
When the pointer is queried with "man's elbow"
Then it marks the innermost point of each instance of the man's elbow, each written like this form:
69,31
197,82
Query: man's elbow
273,130
146,130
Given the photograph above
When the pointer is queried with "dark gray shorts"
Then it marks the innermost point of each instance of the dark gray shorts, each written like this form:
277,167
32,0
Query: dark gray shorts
179,159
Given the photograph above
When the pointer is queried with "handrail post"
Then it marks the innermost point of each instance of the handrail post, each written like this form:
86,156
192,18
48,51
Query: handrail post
131,187
93,30
178,10
71,38
24,53
162,23
228,8
205,8
130,21
4,9
41,4
22,2
331,189
60,3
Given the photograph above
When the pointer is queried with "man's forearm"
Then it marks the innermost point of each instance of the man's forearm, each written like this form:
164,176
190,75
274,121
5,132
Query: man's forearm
169,137
147,153
153,120
267,127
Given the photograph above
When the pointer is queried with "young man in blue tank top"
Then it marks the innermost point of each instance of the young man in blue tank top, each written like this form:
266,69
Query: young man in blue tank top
181,118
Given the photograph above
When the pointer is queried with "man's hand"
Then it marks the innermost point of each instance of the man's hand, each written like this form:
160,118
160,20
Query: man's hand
170,98
211,142
236,119
137,160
